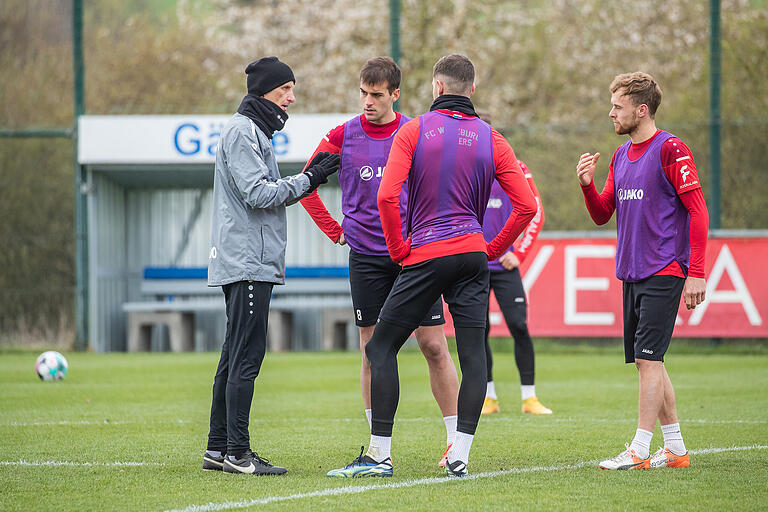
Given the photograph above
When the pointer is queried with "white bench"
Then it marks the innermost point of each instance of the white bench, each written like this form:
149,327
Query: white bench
179,294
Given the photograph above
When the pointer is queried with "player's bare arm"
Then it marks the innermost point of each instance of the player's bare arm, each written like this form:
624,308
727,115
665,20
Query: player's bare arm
585,170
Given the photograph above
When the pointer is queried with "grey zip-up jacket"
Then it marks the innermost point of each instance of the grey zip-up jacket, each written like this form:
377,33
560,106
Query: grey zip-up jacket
248,229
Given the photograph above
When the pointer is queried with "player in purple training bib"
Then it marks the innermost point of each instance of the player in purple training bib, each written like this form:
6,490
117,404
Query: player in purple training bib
661,222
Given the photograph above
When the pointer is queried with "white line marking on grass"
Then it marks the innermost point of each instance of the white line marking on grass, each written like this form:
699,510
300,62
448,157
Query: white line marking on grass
751,422
704,451
82,422
627,420
543,421
358,489
55,423
23,462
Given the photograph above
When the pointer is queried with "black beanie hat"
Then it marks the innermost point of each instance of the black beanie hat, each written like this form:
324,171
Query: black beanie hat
267,73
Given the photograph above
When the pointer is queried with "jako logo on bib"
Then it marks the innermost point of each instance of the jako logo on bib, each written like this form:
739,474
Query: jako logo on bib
630,193
366,172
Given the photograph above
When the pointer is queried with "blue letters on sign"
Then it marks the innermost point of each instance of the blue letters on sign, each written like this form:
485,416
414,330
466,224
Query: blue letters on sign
213,138
280,143
190,139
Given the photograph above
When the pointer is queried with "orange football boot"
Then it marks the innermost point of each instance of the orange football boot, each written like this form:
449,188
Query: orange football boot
665,458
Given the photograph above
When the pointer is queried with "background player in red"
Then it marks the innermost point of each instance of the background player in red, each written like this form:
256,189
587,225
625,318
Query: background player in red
364,142
662,225
450,159
507,286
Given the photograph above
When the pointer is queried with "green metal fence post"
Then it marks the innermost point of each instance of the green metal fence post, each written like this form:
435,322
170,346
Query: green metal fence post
714,114
394,35
81,226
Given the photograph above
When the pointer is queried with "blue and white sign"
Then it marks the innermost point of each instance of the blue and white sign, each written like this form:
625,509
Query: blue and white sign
187,139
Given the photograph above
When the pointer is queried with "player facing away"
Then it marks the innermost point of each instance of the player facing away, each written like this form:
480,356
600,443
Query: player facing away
450,159
662,221
363,143
507,285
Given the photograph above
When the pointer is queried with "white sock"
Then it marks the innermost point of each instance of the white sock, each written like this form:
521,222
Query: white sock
527,391
379,448
642,443
461,446
213,453
490,390
673,438
450,428
369,414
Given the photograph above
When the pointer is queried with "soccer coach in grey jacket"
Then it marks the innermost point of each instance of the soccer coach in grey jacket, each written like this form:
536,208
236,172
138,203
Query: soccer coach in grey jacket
247,256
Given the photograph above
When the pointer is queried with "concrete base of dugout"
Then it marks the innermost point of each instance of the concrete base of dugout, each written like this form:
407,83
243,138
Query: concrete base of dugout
180,324
296,330
289,330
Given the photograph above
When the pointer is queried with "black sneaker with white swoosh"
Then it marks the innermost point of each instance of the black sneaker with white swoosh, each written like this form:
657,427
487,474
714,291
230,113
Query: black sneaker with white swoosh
211,463
251,464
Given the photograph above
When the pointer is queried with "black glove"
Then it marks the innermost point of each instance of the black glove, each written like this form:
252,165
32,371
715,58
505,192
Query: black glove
322,165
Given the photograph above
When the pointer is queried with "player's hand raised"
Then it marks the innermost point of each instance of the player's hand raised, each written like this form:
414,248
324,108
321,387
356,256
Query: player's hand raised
586,168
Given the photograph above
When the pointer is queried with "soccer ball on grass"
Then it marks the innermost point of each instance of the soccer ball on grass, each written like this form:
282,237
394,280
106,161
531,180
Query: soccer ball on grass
51,366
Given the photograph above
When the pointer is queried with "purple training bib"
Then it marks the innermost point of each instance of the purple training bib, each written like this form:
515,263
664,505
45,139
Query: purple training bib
450,177
362,165
653,225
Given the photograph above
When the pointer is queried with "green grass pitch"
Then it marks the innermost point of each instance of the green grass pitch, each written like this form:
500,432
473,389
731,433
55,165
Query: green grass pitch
152,410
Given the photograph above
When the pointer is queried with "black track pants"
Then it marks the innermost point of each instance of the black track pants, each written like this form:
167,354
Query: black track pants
508,288
247,305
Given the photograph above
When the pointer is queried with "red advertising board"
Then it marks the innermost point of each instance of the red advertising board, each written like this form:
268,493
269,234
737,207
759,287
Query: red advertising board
573,291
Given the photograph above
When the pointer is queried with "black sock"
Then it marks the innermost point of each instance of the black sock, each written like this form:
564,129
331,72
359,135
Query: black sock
469,345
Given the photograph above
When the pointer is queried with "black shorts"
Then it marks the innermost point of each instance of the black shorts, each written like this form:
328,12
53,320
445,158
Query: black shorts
650,310
371,279
461,278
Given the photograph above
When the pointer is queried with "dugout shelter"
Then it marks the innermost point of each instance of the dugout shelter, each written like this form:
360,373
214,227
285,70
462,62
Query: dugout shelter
149,188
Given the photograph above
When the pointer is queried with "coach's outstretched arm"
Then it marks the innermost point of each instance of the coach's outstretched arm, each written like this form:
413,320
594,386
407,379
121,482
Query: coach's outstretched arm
251,175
